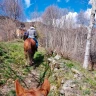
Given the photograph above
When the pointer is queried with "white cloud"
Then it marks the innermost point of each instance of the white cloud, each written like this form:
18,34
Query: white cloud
39,19
67,1
27,3
90,2
72,15
87,13
28,20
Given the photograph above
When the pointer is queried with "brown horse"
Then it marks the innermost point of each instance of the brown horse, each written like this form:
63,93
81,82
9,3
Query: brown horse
42,91
29,50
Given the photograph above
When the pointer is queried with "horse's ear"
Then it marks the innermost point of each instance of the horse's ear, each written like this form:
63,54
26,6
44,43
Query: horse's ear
19,88
45,87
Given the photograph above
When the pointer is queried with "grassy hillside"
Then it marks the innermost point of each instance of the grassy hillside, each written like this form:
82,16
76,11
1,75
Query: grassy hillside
12,67
12,56
12,62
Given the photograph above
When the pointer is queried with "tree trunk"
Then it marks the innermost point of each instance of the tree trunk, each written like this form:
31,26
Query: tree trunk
88,43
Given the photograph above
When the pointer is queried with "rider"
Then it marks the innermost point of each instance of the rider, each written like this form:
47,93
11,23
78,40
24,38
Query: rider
33,34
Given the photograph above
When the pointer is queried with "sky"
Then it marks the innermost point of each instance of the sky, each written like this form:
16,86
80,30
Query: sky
40,5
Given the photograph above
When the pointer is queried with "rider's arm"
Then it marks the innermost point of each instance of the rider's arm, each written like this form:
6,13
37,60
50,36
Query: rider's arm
27,32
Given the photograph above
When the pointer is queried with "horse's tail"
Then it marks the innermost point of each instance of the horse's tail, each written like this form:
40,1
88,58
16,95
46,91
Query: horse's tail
31,49
33,46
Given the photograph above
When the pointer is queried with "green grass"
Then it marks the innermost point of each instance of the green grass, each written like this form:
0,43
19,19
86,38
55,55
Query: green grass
11,93
12,62
86,92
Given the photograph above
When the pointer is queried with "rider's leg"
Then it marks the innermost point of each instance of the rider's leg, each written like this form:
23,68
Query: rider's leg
36,42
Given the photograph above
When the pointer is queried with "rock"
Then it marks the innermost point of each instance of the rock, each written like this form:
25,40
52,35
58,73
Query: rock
29,81
75,71
68,84
9,81
75,75
53,87
69,89
61,64
52,63
55,69
62,93
78,76
57,57
52,60
62,81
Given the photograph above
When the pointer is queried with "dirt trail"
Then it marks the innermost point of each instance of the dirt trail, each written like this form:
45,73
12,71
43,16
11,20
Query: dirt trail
30,81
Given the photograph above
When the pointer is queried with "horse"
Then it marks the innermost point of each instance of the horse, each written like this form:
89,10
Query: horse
41,91
20,32
29,50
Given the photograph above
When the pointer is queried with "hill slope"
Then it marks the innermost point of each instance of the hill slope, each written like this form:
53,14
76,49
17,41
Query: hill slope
67,78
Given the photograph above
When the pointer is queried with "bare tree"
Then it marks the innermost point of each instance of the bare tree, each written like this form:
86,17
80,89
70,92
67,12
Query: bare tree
88,43
7,30
61,21
35,15
12,8
81,19
50,14
63,12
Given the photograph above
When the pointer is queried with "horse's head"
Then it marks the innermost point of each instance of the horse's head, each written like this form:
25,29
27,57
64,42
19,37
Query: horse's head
42,91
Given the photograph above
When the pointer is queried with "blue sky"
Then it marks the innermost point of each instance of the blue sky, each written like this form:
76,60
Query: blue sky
40,5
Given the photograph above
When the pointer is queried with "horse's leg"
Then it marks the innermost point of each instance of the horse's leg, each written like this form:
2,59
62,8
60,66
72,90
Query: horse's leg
31,59
26,57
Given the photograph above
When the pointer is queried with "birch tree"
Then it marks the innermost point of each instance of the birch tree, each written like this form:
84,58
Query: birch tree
88,43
